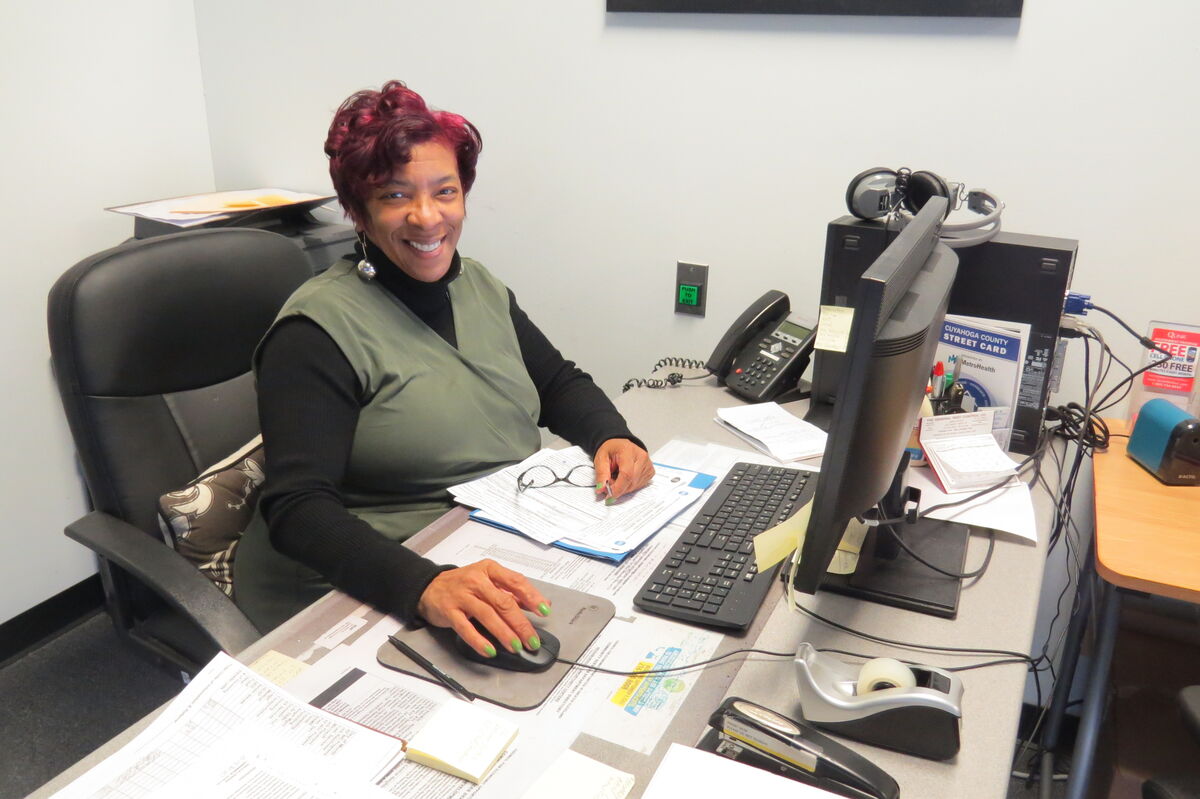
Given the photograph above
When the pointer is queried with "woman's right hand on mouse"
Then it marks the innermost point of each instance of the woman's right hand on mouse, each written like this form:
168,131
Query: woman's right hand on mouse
490,593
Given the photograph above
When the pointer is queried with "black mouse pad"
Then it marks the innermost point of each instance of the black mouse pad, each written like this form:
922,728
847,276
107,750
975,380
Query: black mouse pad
576,619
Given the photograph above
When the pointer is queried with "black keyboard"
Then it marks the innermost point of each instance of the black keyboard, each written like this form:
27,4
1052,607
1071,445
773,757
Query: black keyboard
710,578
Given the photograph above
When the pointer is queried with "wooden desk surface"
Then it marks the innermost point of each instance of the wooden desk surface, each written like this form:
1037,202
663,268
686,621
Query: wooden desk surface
1147,533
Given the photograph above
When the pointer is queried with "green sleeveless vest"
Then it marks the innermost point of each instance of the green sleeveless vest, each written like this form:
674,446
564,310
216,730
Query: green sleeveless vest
434,416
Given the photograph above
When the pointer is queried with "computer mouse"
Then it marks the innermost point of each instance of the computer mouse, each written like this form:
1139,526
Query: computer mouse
524,660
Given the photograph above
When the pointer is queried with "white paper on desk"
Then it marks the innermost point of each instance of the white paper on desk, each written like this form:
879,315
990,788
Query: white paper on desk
1008,509
350,681
638,711
685,771
573,513
580,777
717,459
770,428
228,724
618,582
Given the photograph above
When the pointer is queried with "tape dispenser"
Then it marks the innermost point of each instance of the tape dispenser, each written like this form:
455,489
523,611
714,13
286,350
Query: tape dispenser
909,708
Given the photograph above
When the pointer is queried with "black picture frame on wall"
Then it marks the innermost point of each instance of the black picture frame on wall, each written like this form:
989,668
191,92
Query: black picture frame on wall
901,8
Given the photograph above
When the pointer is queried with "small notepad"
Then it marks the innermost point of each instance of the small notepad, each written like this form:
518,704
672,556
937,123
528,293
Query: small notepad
462,740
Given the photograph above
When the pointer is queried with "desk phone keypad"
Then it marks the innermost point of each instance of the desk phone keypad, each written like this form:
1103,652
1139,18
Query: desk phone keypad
710,578
772,356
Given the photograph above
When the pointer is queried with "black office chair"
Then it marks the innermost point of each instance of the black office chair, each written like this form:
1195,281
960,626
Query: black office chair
151,344
1179,786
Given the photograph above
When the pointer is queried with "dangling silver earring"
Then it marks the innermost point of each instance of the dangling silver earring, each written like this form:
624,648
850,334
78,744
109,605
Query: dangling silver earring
366,269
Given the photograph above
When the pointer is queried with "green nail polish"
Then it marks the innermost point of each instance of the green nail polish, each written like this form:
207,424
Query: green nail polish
535,643
609,501
516,645
543,609
599,486
490,650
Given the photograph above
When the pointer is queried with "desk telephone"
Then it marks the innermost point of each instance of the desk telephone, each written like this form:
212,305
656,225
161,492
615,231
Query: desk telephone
765,350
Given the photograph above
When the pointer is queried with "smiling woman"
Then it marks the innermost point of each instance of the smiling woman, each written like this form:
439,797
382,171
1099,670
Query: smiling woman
397,374
416,216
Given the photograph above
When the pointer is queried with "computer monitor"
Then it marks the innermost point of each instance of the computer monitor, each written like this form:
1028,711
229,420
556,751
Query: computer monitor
899,307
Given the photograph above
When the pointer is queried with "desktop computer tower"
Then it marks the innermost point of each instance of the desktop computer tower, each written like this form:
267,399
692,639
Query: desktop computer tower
1014,277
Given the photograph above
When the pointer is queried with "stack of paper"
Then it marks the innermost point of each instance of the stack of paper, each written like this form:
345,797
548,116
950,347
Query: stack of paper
962,453
200,209
772,430
574,517
232,734
462,740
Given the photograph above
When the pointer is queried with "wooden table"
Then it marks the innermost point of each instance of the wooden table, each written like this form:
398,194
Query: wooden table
1147,538
1147,533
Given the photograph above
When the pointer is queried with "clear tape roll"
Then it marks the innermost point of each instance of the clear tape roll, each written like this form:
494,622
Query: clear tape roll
880,674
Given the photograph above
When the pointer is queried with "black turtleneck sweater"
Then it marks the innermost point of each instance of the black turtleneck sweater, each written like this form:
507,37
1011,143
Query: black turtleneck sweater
308,401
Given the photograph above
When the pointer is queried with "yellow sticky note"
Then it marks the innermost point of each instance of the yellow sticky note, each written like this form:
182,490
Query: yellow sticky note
772,546
833,328
277,667
845,559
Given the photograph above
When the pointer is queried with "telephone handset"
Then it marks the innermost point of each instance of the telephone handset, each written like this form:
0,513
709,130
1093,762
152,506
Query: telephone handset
765,350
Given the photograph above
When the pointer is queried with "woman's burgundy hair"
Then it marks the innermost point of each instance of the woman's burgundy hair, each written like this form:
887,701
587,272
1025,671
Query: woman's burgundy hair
373,133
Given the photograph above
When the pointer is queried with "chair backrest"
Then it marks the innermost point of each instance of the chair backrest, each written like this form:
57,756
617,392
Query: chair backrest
151,343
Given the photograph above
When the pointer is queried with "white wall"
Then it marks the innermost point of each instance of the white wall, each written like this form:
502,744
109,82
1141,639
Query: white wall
616,144
102,105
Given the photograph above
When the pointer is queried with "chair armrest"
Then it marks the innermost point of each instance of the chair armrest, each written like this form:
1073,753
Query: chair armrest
170,575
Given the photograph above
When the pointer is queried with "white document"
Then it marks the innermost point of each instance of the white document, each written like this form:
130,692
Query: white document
572,515
350,683
638,711
231,733
580,777
685,771
1008,509
773,430
962,453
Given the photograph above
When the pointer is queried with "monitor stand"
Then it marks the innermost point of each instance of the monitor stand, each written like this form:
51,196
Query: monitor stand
903,582
890,576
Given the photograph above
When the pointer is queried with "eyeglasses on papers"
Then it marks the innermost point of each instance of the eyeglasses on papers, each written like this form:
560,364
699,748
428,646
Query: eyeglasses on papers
582,476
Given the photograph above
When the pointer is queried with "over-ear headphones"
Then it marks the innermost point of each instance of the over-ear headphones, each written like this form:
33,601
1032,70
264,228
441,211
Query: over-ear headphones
883,192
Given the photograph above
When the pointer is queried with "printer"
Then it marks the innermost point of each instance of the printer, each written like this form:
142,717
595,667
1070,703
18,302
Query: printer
323,243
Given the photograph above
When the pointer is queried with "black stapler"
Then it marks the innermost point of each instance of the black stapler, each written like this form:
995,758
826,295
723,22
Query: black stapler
759,737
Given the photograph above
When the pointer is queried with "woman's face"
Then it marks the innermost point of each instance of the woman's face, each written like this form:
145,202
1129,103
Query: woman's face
416,217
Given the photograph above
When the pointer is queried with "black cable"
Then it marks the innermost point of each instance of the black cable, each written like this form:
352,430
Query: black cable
927,647
1146,342
984,665
685,667
679,363
1076,423
1033,458
963,576
671,381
